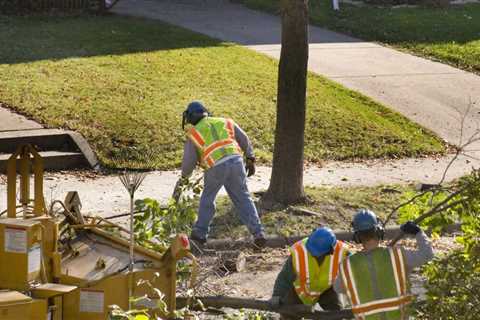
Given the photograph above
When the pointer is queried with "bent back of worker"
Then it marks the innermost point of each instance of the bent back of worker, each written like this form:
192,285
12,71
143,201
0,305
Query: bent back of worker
214,139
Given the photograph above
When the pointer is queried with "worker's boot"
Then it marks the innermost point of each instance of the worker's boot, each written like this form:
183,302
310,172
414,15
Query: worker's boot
260,242
197,244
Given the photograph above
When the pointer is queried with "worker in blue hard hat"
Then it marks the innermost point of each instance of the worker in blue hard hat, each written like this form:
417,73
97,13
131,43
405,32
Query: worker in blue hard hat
376,278
218,145
309,273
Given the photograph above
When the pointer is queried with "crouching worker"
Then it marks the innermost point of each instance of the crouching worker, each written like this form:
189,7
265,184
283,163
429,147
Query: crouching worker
375,279
309,273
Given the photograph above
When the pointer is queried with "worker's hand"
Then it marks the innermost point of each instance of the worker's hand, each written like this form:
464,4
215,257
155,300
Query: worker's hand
177,191
410,228
274,302
250,166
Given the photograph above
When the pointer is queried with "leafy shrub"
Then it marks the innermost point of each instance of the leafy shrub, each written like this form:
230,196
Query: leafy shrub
453,281
157,224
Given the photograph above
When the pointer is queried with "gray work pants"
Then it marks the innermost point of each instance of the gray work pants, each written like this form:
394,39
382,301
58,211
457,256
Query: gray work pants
231,175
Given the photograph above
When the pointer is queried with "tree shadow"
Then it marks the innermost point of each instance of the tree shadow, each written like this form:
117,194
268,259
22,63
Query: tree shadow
43,37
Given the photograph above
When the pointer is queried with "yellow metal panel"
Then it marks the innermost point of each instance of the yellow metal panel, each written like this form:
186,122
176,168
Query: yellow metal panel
14,305
12,185
20,242
57,308
92,303
38,309
25,176
49,290
39,200
49,243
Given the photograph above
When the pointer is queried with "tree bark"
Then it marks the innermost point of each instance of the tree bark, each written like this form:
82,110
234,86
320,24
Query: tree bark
286,184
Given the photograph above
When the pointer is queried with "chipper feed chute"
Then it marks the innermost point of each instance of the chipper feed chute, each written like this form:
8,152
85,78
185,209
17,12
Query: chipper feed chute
70,267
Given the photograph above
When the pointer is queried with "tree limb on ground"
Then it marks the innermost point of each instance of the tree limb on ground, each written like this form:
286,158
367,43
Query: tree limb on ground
263,305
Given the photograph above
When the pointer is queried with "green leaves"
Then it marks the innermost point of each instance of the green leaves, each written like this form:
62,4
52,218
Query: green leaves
453,281
157,224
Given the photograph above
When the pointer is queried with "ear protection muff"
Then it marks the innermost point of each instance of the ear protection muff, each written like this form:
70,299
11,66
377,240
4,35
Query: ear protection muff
355,236
379,231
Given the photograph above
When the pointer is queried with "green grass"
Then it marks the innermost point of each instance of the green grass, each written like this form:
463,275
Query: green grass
123,83
450,35
335,205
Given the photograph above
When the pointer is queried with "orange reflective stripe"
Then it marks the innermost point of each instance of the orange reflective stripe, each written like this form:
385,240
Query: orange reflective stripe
303,268
210,162
197,137
230,128
214,146
336,259
399,271
348,278
378,306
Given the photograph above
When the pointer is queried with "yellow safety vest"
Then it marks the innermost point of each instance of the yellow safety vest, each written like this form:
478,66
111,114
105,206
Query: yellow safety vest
314,279
378,292
214,139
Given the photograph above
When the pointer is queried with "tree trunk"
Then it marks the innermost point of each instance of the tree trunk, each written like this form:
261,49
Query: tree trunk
286,184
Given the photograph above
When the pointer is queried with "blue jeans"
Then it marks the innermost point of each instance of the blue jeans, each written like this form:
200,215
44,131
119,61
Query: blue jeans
230,174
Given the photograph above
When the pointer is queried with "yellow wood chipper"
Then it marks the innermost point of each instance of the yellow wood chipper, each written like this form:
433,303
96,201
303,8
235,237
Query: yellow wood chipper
67,266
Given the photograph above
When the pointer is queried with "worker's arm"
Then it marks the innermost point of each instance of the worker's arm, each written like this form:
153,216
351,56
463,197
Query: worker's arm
190,158
244,142
420,256
285,279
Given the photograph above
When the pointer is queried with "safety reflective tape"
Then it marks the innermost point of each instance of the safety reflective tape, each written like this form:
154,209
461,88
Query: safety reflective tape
216,145
197,138
349,283
396,273
335,262
210,162
383,305
400,270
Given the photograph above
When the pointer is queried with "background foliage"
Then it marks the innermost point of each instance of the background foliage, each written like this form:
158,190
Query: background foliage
453,280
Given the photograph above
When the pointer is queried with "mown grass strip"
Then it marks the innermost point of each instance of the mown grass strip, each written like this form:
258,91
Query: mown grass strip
123,83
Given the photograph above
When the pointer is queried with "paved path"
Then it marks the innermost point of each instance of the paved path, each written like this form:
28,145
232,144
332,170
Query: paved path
430,93
10,121
105,195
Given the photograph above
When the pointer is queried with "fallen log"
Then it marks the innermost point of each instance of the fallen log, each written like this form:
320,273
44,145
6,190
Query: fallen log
300,311
282,242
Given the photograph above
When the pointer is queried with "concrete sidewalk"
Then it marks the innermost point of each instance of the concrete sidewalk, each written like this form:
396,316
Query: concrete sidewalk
105,195
430,93
10,121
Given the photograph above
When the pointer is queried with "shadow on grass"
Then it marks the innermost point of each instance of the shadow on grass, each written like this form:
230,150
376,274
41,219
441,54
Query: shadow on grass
43,37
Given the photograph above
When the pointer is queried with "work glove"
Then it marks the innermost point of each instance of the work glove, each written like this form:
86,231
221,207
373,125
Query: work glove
410,227
250,166
177,191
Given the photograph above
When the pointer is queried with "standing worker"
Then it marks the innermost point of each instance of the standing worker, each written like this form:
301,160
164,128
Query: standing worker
309,273
375,279
217,145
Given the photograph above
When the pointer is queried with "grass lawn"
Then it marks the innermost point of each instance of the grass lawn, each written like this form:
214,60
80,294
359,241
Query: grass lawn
335,205
450,35
123,83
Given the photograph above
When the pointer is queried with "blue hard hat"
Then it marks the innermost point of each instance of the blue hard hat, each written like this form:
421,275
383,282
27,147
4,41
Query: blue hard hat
321,241
195,112
364,220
